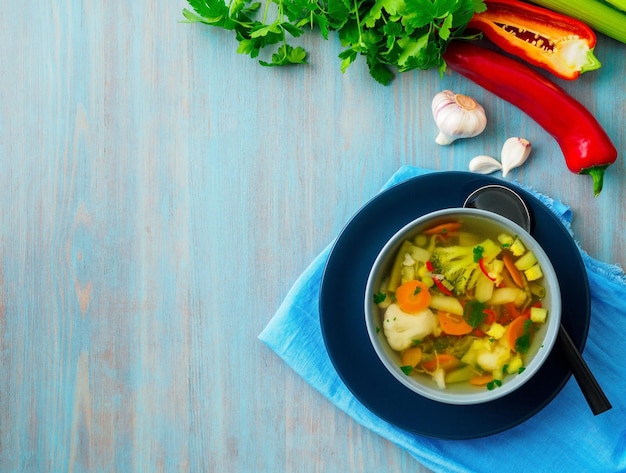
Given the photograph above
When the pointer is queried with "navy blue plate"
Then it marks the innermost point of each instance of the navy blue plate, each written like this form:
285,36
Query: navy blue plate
343,321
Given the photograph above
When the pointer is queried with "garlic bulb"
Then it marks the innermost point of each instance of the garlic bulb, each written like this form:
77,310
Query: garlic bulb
457,116
514,153
484,164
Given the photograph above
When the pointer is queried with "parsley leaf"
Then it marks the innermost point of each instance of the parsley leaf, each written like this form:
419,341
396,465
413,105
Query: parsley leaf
478,253
496,383
522,344
287,54
473,313
379,297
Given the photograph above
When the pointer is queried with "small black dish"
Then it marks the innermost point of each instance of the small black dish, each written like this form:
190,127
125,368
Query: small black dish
502,200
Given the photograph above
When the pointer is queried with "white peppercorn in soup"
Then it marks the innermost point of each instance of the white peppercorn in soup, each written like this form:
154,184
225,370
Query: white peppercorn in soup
461,303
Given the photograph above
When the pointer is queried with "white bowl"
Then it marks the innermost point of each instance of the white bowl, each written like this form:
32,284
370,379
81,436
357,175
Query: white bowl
463,393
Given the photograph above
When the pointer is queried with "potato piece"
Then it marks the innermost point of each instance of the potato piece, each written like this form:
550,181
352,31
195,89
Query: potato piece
534,273
496,331
517,248
526,261
484,288
505,295
505,239
514,365
538,314
446,304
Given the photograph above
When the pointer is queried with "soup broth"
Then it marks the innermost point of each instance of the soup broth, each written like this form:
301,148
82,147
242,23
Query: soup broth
461,303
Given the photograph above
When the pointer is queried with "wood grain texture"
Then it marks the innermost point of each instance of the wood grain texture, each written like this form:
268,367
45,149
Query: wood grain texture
162,193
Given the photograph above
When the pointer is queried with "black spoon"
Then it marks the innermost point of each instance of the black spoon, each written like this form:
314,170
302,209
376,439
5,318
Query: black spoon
508,203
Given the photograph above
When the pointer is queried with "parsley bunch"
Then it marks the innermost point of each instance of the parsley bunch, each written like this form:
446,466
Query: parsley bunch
392,35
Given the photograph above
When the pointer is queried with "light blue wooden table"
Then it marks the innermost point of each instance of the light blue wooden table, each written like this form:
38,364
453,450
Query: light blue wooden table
160,195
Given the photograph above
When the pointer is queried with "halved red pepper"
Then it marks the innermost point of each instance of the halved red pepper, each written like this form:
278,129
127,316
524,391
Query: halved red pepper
546,39
585,145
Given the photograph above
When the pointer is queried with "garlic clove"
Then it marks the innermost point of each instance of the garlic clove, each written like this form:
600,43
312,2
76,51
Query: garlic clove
515,152
484,164
457,116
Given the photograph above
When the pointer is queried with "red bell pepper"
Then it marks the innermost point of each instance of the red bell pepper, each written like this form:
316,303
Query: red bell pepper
585,145
441,286
438,282
541,37
483,268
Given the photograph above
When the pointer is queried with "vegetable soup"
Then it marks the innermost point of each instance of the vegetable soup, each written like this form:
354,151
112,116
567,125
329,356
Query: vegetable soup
462,303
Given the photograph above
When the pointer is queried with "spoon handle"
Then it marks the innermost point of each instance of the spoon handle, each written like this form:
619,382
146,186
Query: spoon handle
590,388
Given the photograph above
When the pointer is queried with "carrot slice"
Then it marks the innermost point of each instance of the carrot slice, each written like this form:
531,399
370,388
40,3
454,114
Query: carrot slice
411,356
515,330
509,264
481,380
413,296
443,228
453,324
444,361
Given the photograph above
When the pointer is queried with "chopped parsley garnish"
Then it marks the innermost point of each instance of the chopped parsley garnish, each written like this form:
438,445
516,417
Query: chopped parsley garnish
474,314
379,297
478,253
496,383
406,369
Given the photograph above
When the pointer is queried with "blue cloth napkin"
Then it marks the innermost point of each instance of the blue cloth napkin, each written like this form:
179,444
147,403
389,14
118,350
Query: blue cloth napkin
564,436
